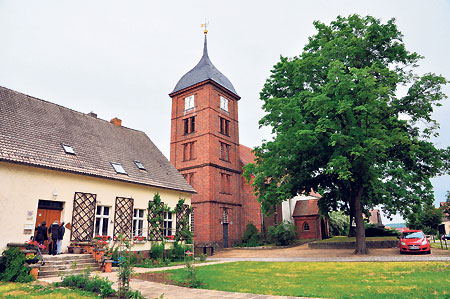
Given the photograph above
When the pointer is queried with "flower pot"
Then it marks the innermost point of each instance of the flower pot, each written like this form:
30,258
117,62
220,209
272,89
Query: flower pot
77,250
70,249
32,261
34,272
107,265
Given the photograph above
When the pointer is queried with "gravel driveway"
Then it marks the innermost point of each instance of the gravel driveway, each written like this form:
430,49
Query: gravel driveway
304,253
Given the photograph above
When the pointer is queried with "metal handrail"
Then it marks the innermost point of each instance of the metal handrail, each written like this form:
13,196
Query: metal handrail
41,255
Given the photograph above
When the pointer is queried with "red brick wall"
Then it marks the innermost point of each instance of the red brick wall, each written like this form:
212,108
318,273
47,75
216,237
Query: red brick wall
314,227
250,206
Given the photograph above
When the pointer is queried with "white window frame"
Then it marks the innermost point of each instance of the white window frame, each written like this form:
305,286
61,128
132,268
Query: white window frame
102,216
189,102
168,231
223,103
138,221
119,168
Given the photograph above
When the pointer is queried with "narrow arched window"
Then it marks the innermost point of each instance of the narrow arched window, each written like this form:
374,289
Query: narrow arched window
305,226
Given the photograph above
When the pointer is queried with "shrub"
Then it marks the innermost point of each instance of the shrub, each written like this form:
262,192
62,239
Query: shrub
282,234
339,223
252,236
157,251
12,266
202,257
177,253
93,284
374,231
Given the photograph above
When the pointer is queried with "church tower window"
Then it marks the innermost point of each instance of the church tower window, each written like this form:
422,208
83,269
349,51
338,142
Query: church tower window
224,151
224,126
223,103
189,125
189,102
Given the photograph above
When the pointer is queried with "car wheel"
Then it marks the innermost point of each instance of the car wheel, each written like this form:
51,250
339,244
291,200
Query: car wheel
402,252
428,252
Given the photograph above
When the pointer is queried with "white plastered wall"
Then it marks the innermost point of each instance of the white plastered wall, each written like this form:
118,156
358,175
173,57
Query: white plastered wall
21,187
288,206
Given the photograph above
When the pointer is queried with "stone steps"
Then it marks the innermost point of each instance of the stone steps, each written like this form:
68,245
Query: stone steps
66,264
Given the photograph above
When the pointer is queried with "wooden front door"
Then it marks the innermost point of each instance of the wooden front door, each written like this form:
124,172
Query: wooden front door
49,216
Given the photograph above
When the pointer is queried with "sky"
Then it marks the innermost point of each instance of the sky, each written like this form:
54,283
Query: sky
122,58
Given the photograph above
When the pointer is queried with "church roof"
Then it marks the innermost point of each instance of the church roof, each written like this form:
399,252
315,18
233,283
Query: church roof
204,70
35,132
245,155
307,207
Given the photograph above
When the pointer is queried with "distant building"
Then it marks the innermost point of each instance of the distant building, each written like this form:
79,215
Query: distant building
375,218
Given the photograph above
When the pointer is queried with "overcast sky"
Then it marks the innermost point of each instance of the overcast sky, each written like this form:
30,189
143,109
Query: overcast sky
122,58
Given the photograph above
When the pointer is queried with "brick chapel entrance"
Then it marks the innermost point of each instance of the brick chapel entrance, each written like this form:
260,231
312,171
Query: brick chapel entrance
48,211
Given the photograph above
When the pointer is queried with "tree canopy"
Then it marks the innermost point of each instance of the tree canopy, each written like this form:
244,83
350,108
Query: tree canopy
352,120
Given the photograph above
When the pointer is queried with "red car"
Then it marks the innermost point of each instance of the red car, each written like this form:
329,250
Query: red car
414,241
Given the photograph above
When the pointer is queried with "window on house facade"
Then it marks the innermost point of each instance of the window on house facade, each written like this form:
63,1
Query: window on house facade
189,177
225,183
189,125
189,102
118,168
102,220
305,226
68,149
168,224
138,222
224,151
223,103
189,151
224,126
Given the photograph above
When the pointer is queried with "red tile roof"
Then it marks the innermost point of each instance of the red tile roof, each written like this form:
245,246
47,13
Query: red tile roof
32,132
306,207
246,155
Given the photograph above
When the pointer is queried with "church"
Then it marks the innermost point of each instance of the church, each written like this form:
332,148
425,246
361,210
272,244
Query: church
205,149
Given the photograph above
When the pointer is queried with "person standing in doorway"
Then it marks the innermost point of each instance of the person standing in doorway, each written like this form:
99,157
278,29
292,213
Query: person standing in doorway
54,232
41,233
62,230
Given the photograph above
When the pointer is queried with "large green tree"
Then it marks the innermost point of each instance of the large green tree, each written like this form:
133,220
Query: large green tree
352,120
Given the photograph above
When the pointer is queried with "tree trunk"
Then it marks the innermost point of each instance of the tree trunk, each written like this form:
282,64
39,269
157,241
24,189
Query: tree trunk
361,247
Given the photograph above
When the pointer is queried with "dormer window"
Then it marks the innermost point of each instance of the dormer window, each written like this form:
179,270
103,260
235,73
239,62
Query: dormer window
118,168
189,102
68,149
223,103
139,165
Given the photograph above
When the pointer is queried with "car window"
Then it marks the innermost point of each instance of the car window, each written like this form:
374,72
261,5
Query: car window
413,235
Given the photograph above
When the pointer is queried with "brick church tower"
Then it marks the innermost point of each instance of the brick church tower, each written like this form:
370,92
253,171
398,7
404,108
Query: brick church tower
205,149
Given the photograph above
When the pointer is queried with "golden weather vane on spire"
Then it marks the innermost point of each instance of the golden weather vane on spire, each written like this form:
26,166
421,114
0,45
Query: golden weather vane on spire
204,25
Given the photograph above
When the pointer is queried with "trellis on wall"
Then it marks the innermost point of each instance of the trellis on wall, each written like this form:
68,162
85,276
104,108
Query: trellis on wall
83,216
182,216
155,219
123,216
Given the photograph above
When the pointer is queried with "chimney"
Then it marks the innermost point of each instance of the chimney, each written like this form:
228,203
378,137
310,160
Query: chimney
92,114
117,122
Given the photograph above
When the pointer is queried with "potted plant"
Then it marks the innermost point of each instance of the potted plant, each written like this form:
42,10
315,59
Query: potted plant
139,239
32,258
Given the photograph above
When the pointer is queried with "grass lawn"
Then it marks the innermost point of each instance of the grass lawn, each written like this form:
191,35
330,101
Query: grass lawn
438,245
353,239
331,280
31,291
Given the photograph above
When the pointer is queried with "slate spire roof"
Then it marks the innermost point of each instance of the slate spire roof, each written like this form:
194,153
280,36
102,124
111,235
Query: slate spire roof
204,70
33,132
